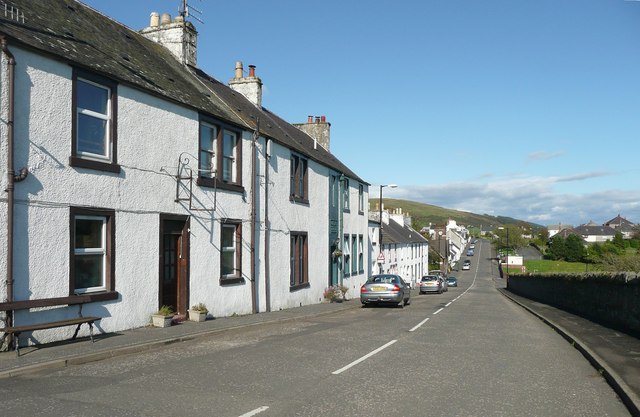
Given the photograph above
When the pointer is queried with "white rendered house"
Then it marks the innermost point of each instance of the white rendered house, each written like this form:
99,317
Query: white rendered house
137,180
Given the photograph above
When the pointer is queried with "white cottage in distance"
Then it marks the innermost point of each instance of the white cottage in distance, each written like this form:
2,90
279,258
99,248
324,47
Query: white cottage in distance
134,180
404,251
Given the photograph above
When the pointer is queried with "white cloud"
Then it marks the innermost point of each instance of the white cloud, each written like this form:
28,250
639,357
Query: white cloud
543,156
528,198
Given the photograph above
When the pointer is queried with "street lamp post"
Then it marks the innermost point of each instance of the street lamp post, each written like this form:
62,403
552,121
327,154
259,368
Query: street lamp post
380,218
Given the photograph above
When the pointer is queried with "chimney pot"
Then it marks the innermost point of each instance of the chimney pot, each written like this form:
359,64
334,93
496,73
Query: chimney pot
323,119
166,18
155,20
317,119
252,71
239,69
309,119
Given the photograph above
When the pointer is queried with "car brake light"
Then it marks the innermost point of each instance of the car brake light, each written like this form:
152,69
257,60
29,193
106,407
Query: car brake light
363,289
395,288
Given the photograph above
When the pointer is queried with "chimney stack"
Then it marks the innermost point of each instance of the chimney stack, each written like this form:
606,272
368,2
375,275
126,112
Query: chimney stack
319,129
250,87
179,37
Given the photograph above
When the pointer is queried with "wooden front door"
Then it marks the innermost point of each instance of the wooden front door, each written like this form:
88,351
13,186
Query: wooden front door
174,264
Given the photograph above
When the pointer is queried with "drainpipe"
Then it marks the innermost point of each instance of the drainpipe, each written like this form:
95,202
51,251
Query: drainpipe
254,294
267,227
11,177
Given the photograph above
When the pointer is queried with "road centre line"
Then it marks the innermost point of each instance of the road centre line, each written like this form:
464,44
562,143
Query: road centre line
448,304
438,311
365,357
256,411
417,326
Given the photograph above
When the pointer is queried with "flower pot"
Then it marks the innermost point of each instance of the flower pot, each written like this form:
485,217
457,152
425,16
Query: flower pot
161,321
197,315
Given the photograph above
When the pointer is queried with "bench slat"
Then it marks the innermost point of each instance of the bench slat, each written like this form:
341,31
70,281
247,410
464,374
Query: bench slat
49,325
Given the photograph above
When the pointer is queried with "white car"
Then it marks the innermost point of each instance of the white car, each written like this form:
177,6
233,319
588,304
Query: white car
466,265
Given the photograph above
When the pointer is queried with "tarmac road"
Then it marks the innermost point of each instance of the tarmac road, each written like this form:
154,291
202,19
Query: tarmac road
468,352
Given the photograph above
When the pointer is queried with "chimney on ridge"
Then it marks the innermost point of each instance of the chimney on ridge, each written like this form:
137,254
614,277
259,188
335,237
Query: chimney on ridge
250,86
319,129
178,36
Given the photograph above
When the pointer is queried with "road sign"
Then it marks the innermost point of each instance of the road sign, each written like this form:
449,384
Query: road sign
381,257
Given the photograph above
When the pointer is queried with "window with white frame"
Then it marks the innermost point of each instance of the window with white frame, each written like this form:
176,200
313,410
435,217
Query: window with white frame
360,253
94,122
360,198
229,140
346,256
219,159
207,162
354,254
298,260
92,252
345,195
299,178
230,253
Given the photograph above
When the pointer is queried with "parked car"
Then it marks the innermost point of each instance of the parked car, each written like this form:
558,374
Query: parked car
470,252
466,265
431,283
445,285
385,288
472,246
452,281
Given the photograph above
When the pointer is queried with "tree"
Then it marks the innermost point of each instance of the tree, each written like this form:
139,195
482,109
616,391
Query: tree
557,249
574,249
618,240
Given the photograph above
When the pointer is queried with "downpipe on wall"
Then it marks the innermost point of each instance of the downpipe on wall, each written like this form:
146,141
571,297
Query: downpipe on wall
12,178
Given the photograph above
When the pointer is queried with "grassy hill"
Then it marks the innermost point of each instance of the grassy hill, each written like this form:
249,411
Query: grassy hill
422,214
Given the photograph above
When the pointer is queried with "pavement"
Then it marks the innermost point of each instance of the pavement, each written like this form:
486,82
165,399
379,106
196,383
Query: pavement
614,354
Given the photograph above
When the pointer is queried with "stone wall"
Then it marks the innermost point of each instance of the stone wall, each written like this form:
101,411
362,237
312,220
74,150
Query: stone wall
612,300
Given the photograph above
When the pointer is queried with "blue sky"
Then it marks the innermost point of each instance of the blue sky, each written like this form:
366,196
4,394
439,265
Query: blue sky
521,108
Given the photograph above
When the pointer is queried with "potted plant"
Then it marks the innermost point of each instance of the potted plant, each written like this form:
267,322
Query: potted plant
163,317
333,294
198,312
343,290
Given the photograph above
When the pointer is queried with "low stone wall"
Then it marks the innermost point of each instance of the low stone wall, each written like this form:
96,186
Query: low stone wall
612,300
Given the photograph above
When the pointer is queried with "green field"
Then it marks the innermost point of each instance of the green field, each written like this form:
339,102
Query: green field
555,266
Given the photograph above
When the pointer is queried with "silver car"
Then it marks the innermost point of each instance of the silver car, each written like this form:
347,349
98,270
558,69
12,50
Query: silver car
385,288
431,283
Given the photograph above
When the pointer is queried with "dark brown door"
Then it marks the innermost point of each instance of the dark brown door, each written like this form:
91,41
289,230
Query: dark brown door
174,262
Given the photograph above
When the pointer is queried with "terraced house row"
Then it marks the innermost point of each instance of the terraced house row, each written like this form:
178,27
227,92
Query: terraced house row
134,179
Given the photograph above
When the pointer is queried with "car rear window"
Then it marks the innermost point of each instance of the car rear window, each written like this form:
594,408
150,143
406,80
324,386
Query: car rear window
387,279
429,278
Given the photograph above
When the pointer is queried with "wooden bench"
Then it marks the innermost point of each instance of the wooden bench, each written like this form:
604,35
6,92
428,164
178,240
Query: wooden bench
79,300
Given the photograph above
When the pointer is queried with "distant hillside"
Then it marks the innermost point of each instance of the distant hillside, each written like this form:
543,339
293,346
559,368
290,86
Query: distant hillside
423,214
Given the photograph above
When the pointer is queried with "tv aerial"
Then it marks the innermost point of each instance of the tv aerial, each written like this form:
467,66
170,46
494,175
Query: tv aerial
187,10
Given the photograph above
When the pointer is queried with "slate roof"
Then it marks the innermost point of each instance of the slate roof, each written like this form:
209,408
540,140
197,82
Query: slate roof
72,32
620,223
559,226
568,231
595,230
393,233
